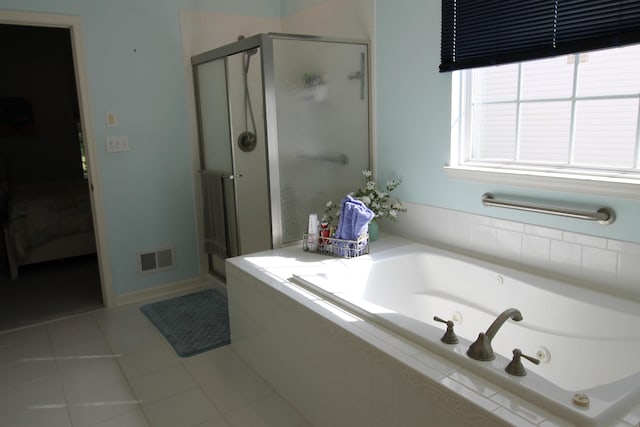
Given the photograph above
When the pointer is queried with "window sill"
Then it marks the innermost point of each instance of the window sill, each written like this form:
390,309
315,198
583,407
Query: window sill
627,188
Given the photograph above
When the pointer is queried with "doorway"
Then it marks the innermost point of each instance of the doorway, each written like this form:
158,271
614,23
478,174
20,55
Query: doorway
48,254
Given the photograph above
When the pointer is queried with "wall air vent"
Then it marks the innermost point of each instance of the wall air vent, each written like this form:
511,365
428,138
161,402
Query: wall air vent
155,260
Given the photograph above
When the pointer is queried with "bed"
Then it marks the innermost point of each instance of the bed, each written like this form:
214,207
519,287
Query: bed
47,221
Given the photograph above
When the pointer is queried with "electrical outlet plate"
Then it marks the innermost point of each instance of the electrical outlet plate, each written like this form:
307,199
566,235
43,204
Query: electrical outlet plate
117,143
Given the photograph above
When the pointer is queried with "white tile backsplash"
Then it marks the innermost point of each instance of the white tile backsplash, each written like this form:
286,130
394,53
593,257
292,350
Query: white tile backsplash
599,261
565,254
543,231
509,244
536,250
585,240
609,265
461,235
483,236
508,225
628,270
623,247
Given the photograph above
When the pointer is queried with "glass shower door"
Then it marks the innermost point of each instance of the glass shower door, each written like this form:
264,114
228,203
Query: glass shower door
322,104
233,145
249,151
215,147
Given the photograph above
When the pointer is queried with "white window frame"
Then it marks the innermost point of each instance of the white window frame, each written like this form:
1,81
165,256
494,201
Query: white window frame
615,184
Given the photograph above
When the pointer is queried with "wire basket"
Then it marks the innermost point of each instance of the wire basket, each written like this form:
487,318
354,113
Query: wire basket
337,247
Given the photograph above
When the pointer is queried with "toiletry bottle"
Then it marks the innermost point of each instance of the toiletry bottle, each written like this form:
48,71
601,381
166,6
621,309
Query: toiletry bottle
312,234
324,234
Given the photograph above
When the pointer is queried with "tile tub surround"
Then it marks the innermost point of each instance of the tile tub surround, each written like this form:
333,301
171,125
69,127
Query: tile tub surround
607,265
338,370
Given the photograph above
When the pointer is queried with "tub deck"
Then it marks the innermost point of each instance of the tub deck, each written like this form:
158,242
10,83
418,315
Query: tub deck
367,281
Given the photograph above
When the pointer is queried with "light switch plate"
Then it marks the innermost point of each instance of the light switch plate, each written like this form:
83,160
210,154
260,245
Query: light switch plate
112,119
117,143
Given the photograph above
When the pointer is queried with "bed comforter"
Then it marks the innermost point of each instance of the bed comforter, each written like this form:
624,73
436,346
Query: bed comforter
40,213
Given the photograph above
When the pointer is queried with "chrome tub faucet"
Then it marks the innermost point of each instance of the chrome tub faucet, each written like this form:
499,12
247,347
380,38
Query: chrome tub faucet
481,348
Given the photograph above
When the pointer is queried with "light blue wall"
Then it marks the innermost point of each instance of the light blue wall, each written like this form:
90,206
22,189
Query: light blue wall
413,116
135,67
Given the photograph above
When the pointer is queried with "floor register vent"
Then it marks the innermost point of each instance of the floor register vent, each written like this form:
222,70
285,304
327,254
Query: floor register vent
156,260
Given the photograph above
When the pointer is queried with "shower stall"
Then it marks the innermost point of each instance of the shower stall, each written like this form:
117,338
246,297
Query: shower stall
283,127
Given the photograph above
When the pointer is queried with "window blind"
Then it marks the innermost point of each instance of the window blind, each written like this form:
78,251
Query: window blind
477,33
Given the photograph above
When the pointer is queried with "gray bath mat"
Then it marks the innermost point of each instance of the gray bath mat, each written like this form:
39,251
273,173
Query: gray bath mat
192,323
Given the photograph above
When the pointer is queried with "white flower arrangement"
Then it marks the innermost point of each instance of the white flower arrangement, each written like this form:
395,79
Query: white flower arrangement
379,202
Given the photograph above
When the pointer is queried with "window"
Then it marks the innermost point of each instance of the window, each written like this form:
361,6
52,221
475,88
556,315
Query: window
528,108
572,112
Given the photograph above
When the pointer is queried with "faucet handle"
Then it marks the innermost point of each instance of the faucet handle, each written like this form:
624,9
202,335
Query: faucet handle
450,336
515,366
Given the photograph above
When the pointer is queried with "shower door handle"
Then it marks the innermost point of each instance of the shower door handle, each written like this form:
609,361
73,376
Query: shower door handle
232,176
359,75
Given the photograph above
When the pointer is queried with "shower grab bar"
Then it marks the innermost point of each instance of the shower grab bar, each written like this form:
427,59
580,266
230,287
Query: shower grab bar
360,74
340,158
604,216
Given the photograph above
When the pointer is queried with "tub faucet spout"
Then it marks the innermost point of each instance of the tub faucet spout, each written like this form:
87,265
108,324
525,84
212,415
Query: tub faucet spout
481,348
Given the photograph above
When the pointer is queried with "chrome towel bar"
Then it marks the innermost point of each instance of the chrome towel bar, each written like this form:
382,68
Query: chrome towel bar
604,216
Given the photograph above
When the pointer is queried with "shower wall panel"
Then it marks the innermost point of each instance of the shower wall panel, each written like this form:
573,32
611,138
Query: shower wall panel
322,109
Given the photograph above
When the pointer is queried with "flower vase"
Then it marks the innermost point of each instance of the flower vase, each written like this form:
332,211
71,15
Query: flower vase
373,231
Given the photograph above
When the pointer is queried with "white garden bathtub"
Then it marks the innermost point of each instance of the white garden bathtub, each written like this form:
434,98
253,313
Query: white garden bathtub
589,342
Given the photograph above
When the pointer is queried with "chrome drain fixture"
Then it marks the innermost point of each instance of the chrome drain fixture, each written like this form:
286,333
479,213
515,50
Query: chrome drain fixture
581,400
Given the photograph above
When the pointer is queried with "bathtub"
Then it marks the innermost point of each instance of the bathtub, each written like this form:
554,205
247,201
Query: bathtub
588,342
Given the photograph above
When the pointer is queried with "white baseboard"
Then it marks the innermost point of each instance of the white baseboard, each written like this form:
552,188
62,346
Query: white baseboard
170,289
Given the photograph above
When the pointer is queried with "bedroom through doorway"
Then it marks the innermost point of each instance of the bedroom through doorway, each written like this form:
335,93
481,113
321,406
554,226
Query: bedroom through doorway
48,262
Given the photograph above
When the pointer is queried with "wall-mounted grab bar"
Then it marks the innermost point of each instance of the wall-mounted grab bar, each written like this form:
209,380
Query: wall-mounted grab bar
340,158
604,216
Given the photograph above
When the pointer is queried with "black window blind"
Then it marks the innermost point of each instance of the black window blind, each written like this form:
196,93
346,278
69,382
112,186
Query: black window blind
477,33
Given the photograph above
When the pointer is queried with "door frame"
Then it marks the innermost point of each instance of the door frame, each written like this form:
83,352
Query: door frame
74,25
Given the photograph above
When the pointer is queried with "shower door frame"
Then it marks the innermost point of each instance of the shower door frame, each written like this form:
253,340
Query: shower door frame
265,43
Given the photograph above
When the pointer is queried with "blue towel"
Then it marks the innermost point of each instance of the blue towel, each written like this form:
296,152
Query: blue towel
354,219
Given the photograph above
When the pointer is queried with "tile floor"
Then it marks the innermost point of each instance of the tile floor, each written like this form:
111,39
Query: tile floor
112,368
